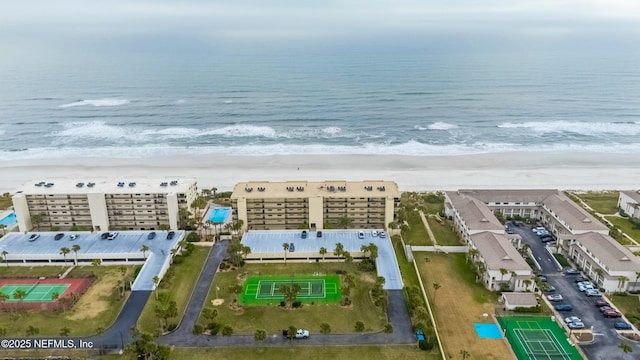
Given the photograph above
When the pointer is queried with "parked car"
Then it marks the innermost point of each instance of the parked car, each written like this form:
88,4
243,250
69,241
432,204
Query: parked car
542,278
151,235
601,303
319,234
611,314
304,234
300,334
563,307
58,236
549,288
374,233
73,236
554,297
104,236
33,237
579,279
585,287
593,293
112,235
382,234
360,234
572,272
170,235
605,308
576,325
571,319
547,239
292,247
622,325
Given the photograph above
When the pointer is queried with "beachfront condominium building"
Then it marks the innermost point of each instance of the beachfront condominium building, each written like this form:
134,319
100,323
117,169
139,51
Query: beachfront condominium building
580,236
629,203
103,204
265,205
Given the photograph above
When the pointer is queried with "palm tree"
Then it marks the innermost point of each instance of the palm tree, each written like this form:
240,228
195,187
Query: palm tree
285,246
626,348
75,249
465,354
246,251
637,277
36,220
156,281
524,249
3,226
339,250
323,252
96,262
373,252
3,297
55,296
19,295
144,250
503,272
598,273
64,251
622,280
473,253
527,283
436,286
344,222
4,257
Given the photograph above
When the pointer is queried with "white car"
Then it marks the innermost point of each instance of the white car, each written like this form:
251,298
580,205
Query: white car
554,297
382,234
73,236
571,319
374,233
584,287
576,325
112,235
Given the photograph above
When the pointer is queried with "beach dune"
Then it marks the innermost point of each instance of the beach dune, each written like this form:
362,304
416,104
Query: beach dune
584,171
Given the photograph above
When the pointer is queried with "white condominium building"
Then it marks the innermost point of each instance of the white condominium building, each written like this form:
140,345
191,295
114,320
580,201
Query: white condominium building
103,204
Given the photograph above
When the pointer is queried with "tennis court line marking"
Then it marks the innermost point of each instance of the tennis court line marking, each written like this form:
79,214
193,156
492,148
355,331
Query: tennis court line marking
527,344
307,282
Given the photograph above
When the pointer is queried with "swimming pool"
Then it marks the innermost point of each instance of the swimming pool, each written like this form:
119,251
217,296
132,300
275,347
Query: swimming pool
219,215
9,220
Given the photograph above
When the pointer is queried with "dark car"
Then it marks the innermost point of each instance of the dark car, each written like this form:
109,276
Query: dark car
580,279
563,307
151,235
601,303
104,236
542,278
546,239
611,314
304,234
319,234
170,235
58,236
622,325
572,272
292,247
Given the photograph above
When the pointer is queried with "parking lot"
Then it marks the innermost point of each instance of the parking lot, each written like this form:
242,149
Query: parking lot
607,340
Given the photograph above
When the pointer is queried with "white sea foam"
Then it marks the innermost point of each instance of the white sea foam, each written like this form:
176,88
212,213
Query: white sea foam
411,148
442,126
577,127
332,130
96,130
97,103
228,101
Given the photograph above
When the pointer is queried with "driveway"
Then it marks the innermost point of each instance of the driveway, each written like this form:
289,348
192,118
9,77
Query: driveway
607,341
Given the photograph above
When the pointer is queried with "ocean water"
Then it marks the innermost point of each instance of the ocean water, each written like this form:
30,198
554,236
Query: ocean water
405,101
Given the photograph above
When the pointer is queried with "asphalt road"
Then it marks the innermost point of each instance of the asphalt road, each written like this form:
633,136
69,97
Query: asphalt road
607,340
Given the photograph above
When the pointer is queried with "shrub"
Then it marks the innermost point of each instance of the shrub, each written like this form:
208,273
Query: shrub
178,259
520,309
227,330
214,328
193,237
296,304
359,327
341,272
198,329
388,328
425,345
366,265
172,326
345,301
325,328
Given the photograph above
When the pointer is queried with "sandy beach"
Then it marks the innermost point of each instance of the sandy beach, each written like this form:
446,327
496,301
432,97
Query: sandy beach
583,171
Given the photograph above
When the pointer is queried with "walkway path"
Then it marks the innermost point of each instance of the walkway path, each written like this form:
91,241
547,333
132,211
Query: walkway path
426,226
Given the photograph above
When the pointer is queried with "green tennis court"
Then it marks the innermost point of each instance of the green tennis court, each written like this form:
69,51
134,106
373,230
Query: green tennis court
34,292
265,290
538,338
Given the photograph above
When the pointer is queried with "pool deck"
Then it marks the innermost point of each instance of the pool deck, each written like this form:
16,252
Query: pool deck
270,242
124,249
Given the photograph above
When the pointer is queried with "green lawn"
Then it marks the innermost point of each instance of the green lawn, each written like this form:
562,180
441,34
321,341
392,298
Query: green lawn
179,288
444,233
307,353
5,201
98,308
433,203
629,305
247,319
603,202
416,234
626,227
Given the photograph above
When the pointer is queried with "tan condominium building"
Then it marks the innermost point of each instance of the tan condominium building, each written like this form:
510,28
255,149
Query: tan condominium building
103,204
334,204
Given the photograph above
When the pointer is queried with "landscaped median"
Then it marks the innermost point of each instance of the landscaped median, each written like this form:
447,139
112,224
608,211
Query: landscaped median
177,285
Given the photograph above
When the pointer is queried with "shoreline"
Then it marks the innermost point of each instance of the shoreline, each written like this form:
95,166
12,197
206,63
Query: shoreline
575,170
